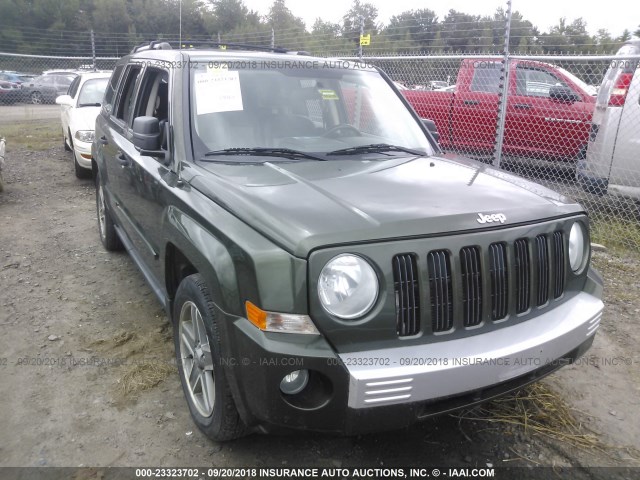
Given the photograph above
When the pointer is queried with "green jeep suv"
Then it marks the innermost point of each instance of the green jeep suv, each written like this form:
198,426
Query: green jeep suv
325,266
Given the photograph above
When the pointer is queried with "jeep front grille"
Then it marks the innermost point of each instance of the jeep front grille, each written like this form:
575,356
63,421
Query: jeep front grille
471,277
558,262
522,274
478,284
542,251
407,292
441,290
499,280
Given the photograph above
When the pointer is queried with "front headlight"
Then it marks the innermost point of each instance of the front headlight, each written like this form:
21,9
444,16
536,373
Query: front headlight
86,136
577,246
347,286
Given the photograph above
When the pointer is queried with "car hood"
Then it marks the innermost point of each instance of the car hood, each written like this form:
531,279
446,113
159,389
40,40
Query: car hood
305,205
83,118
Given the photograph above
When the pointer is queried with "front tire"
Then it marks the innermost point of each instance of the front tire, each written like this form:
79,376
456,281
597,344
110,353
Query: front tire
198,353
67,148
81,173
36,98
106,229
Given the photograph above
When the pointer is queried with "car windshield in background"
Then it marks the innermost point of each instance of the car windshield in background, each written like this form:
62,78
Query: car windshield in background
316,110
92,92
583,85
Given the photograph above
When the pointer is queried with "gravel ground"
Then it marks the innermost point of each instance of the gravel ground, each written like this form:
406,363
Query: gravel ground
77,323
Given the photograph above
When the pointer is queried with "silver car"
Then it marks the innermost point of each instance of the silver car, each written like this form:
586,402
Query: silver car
46,88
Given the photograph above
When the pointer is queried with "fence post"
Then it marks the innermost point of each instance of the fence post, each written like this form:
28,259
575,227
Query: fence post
503,91
360,38
273,39
93,51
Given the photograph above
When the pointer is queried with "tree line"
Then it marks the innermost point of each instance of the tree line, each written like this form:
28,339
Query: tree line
61,27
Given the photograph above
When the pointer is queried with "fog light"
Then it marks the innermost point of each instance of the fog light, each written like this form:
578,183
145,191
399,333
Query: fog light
294,382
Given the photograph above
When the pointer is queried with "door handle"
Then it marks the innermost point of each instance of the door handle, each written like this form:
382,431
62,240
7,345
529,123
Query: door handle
523,106
123,160
471,102
103,140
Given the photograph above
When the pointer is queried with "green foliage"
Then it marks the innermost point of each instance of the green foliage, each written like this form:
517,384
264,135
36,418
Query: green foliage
414,28
61,27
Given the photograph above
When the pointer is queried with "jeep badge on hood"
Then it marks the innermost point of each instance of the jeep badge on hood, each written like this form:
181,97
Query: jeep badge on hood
496,217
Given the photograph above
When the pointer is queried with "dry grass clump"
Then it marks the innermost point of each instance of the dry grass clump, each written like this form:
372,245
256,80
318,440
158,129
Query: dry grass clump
536,409
145,375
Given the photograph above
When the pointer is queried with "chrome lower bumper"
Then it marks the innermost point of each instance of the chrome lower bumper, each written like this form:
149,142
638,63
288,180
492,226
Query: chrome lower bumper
416,373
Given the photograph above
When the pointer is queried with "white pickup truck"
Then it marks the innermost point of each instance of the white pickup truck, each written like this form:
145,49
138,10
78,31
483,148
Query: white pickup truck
611,164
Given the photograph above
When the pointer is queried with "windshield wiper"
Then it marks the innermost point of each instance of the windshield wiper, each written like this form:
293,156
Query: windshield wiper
375,148
265,152
89,105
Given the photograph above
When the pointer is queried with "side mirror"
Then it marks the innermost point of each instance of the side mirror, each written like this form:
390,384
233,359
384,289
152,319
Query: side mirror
147,138
563,94
64,100
431,127
146,133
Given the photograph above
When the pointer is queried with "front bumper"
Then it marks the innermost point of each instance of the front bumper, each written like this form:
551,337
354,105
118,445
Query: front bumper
82,152
448,368
358,392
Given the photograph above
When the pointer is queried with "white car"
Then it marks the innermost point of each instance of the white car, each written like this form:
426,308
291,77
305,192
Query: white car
612,164
80,108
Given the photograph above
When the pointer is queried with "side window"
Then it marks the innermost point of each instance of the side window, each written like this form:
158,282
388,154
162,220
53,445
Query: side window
534,82
486,78
73,88
110,92
127,94
153,99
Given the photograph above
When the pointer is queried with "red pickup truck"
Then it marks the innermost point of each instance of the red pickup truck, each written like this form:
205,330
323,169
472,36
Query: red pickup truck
549,110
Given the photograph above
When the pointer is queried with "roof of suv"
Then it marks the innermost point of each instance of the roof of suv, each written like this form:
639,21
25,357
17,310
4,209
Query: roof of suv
280,55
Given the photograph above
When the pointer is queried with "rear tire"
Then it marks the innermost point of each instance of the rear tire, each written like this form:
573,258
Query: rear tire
106,228
198,353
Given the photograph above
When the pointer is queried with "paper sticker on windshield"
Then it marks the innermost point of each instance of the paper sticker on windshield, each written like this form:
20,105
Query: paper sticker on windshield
328,94
217,91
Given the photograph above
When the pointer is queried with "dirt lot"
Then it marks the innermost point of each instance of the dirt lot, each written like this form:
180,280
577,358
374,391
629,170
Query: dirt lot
80,331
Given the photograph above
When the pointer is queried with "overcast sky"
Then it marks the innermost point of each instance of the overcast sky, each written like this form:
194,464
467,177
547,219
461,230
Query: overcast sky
614,16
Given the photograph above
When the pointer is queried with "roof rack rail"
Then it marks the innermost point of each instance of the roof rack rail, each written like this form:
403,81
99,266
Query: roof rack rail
240,46
154,45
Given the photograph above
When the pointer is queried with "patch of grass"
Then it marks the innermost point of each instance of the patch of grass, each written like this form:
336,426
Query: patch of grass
619,234
37,135
143,376
536,409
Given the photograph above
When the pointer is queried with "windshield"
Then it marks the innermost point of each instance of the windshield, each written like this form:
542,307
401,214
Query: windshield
92,91
316,110
590,89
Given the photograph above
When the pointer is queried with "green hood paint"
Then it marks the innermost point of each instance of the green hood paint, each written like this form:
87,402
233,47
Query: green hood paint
305,205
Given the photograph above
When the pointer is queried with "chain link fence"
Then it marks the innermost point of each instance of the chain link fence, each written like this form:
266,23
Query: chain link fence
571,123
